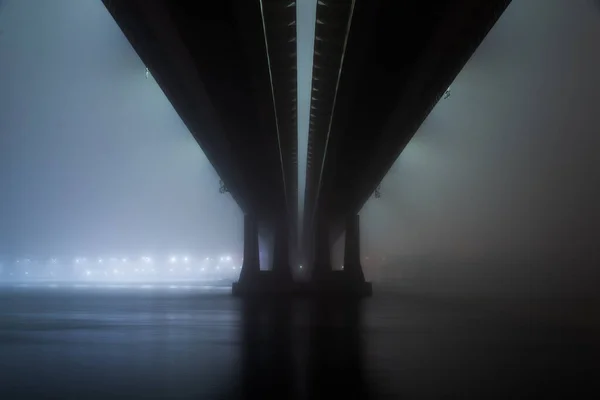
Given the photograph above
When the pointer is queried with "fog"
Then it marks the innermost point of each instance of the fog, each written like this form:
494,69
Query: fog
504,173
500,184
94,160
306,15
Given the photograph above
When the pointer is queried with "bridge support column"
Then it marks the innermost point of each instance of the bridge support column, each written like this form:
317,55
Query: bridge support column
352,266
322,254
282,272
251,265
347,283
253,281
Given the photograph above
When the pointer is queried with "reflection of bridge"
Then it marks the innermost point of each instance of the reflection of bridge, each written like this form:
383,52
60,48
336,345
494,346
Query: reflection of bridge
230,71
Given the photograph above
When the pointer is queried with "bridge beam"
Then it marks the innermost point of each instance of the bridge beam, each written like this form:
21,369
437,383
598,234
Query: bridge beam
251,264
282,272
352,266
322,254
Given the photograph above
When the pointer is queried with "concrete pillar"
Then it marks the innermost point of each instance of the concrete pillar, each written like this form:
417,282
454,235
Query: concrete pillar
281,254
322,252
251,264
352,265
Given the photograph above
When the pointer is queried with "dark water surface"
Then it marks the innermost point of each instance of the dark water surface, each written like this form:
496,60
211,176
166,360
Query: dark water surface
197,342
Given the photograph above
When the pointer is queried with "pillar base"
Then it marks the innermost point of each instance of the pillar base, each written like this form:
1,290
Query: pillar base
263,283
340,284
333,284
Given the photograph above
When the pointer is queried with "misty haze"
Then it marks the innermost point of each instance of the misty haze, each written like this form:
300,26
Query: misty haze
125,258
96,164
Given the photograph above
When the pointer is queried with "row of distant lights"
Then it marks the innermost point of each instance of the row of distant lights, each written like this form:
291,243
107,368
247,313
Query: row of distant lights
188,269
147,260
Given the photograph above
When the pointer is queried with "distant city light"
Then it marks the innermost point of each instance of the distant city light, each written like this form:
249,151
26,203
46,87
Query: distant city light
301,267
126,266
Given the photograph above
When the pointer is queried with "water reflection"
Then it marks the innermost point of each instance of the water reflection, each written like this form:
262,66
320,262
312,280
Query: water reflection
336,358
267,361
99,343
302,350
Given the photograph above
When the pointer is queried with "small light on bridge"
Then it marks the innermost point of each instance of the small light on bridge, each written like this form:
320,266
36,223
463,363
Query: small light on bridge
447,93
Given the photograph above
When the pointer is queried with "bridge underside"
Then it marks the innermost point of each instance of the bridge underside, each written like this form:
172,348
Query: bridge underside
229,69
379,68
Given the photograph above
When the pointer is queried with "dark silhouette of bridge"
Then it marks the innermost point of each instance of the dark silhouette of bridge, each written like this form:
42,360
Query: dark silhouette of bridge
229,69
